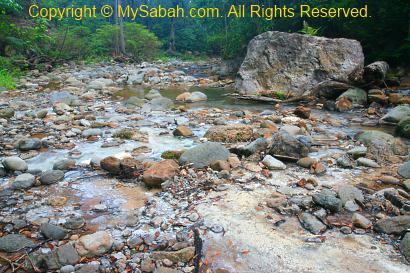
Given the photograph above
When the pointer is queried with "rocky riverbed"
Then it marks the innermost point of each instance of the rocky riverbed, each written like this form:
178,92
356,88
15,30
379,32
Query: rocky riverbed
154,168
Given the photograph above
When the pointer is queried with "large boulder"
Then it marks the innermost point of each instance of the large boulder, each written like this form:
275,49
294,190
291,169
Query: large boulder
230,133
204,154
296,63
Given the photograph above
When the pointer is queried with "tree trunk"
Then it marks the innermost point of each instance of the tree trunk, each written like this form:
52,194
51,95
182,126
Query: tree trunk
117,40
172,47
121,35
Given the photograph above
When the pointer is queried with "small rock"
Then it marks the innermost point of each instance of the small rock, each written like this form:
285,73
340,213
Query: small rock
220,165
94,244
111,164
272,163
53,232
358,152
64,164
302,112
327,200
181,256
306,162
183,131
311,223
27,144
348,192
367,162
160,172
361,221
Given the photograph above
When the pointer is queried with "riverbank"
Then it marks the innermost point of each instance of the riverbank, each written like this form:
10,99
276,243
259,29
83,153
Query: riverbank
90,184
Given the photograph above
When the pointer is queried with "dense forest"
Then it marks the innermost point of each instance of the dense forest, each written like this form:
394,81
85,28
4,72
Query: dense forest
27,43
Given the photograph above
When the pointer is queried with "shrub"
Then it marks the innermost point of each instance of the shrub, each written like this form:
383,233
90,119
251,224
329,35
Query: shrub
140,43
6,80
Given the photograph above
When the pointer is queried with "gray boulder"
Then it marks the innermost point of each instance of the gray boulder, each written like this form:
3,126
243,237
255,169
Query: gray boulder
396,114
51,177
53,232
27,144
159,104
404,170
296,63
286,146
204,154
23,181
311,223
196,96
15,163
327,199
393,225
355,95
14,242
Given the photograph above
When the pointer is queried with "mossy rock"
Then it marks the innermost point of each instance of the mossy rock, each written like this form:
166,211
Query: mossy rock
403,128
172,154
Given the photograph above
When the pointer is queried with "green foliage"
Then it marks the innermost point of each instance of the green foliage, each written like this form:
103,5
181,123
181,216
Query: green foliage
6,80
308,30
277,95
172,154
140,43
9,6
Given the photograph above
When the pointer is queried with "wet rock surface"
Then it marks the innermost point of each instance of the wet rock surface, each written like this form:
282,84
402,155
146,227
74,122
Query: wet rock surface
120,177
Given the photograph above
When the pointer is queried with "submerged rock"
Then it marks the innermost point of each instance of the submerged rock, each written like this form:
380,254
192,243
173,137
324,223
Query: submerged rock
273,62
192,97
204,154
